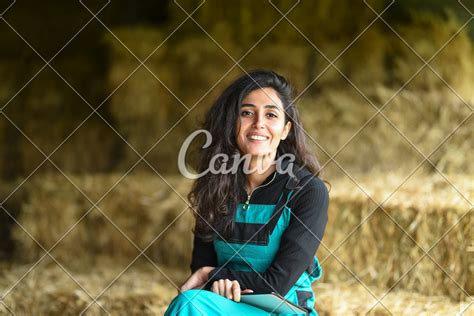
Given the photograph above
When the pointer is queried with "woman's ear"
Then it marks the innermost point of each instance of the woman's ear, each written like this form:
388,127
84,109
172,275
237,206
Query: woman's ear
286,130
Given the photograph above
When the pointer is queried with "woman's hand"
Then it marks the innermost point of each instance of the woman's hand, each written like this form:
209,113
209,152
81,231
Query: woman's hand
197,279
229,289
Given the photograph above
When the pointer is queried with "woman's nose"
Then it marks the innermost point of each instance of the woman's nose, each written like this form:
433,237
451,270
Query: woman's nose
258,121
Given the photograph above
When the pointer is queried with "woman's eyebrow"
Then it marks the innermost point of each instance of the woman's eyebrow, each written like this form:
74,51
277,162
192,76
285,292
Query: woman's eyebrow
269,106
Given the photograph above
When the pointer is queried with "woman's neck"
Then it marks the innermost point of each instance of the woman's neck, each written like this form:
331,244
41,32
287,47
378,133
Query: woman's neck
262,167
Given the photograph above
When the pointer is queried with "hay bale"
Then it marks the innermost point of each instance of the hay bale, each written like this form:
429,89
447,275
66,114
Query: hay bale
47,111
142,290
141,206
292,63
426,118
354,299
379,252
426,35
370,50
142,107
48,290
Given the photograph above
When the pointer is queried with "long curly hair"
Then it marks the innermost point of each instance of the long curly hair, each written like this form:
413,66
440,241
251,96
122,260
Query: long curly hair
215,196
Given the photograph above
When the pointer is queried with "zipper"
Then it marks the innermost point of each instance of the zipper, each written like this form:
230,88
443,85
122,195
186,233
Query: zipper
246,205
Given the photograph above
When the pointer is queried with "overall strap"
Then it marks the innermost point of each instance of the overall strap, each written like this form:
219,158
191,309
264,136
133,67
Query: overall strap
293,184
285,196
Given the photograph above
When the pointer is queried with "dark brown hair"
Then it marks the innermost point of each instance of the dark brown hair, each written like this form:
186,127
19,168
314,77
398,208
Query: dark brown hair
215,196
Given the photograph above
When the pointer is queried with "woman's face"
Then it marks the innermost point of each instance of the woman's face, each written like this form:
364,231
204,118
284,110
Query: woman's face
261,124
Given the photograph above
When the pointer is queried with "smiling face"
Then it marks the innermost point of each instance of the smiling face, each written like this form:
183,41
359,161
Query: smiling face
261,124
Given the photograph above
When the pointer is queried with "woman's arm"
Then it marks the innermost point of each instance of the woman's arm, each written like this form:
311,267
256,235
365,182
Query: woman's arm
203,261
297,246
203,254
196,280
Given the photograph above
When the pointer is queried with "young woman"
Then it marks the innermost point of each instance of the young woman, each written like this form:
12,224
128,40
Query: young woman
257,227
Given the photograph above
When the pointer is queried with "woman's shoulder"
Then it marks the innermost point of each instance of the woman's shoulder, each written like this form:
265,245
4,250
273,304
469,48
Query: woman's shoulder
307,180
310,189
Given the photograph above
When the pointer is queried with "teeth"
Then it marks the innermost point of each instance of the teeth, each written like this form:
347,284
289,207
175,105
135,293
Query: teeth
255,137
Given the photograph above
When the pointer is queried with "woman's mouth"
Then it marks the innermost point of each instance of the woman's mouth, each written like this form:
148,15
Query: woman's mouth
257,138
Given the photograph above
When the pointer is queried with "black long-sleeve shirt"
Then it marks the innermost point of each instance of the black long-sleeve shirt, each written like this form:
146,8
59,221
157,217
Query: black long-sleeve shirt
298,244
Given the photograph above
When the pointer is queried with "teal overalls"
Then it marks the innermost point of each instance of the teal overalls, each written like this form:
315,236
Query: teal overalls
253,256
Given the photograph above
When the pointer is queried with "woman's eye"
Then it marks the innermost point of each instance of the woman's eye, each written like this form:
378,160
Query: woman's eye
272,115
246,113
